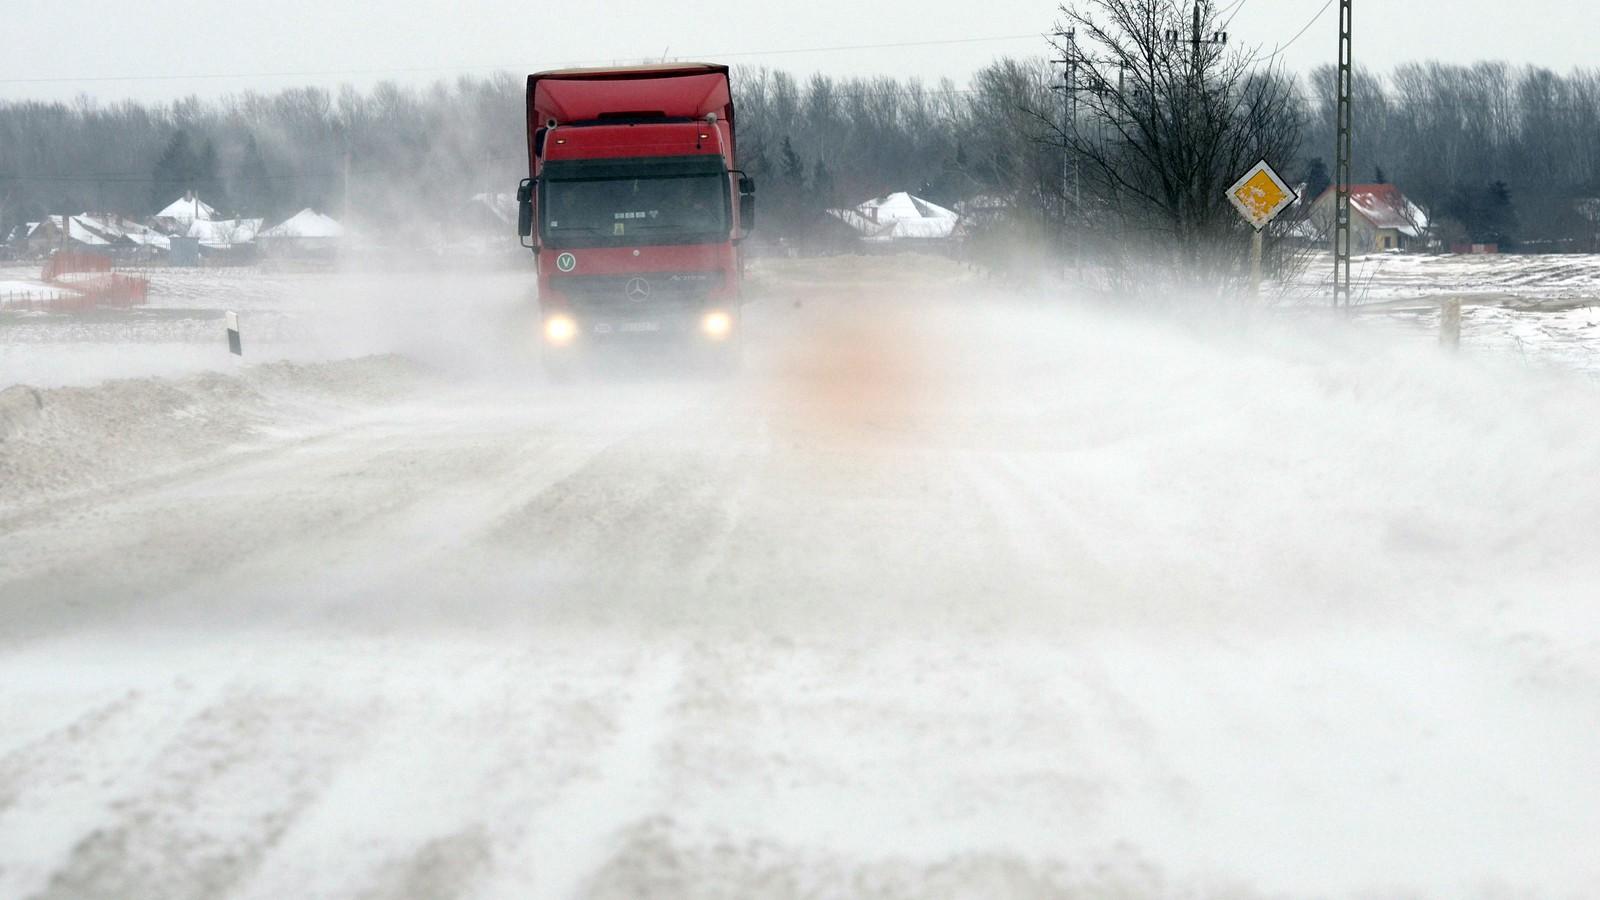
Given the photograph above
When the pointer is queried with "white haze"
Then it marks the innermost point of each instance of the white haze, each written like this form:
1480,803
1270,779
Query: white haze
955,591
162,51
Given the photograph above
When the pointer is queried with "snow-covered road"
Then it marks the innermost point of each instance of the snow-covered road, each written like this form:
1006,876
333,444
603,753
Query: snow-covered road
943,596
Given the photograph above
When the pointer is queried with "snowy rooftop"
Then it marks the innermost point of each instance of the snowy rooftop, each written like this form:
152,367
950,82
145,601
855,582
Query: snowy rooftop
1386,206
226,232
79,229
307,223
187,209
898,216
117,229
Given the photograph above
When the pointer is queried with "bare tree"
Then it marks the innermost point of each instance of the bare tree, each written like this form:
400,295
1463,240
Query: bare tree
1167,118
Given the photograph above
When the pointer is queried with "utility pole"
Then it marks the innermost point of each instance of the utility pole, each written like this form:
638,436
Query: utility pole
1194,42
1070,171
1341,168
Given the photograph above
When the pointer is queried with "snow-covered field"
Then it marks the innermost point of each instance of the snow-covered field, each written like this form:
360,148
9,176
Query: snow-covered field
1549,280
1543,311
947,595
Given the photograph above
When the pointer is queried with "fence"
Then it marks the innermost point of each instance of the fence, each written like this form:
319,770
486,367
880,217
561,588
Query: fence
102,288
67,262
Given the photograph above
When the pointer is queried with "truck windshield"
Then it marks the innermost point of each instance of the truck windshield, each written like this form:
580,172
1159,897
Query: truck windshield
615,204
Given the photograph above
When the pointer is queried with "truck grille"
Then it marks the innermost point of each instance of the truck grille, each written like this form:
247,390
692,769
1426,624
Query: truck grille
644,291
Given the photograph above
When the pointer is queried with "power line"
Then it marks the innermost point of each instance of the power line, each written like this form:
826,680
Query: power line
328,73
1237,7
842,47
1297,35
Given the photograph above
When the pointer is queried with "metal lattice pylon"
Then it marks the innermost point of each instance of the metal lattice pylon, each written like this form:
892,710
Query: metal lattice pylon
1341,168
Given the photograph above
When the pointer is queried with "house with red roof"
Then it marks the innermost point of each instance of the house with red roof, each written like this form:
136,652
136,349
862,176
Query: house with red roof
1381,218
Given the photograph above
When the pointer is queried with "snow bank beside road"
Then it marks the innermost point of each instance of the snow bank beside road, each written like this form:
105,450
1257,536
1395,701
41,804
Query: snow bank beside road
69,439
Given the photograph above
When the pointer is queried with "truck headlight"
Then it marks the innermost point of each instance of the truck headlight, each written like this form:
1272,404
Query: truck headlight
716,324
559,330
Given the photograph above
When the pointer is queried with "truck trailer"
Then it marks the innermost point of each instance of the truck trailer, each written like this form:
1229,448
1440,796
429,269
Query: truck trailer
635,209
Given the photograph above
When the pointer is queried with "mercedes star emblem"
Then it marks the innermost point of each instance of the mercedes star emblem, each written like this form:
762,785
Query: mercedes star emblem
637,289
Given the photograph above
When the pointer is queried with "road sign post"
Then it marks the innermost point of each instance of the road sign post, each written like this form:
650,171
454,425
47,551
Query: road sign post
1255,265
1259,197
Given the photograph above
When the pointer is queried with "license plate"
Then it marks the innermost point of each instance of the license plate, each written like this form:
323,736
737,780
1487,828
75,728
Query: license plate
639,326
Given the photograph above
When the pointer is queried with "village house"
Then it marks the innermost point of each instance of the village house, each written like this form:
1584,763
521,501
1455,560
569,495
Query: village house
899,219
226,241
82,233
307,234
177,217
1381,218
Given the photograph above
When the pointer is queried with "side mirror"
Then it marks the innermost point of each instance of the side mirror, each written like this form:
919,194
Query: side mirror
525,210
747,203
747,212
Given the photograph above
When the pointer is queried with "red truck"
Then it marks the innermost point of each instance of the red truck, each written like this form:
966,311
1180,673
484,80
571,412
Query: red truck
635,208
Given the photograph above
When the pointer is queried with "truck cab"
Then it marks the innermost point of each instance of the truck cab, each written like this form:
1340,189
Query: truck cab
635,208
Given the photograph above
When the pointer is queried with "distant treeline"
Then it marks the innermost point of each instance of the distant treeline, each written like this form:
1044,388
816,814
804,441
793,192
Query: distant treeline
1491,150
1487,148
405,153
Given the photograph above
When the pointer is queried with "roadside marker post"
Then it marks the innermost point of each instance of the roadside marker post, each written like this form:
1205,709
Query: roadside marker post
1259,197
235,345
1450,323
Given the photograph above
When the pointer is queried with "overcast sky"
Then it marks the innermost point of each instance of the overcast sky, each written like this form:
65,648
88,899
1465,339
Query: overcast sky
63,48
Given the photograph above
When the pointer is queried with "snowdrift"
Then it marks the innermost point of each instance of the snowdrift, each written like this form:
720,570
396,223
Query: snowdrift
70,439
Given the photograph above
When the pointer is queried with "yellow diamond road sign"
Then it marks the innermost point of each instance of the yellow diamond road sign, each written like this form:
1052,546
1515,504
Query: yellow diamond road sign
1260,195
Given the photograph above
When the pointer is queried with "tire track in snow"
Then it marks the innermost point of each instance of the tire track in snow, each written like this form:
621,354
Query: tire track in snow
474,736
572,836
51,759
205,811
666,498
